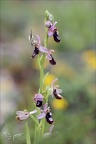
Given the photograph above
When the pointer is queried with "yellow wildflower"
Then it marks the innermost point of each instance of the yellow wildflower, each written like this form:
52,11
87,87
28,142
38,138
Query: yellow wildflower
60,104
49,79
90,58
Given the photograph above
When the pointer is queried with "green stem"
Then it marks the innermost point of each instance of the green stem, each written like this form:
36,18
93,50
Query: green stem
28,141
43,121
41,66
41,74
39,132
35,134
42,60
43,125
34,119
45,45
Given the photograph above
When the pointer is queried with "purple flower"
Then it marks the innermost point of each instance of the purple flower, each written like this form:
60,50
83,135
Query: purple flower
46,113
55,90
48,55
38,47
37,44
22,115
38,99
50,27
52,30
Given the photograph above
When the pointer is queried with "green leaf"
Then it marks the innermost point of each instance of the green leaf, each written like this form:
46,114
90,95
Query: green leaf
28,141
45,77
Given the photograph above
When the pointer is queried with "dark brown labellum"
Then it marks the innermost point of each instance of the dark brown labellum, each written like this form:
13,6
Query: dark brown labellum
49,118
36,52
53,62
56,36
57,96
39,103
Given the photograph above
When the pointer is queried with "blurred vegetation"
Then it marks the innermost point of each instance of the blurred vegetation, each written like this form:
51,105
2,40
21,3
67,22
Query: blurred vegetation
75,116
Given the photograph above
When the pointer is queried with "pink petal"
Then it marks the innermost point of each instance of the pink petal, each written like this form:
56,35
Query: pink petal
38,40
59,91
34,111
52,84
22,113
45,107
42,115
19,112
48,24
50,33
53,26
43,49
24,117
38,97
48,56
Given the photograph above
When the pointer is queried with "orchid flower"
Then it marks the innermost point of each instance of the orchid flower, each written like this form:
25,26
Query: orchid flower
50,27
22,115
52,30
38,47
45,50
38,99
45,113
48,55
36,43
55,90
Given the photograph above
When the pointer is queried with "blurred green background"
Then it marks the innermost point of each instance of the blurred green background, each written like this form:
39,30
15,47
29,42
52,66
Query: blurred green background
76,66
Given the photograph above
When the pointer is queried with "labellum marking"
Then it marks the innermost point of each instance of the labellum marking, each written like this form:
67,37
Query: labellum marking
53,62
57,96
39,103
56,36
36,51
49,118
